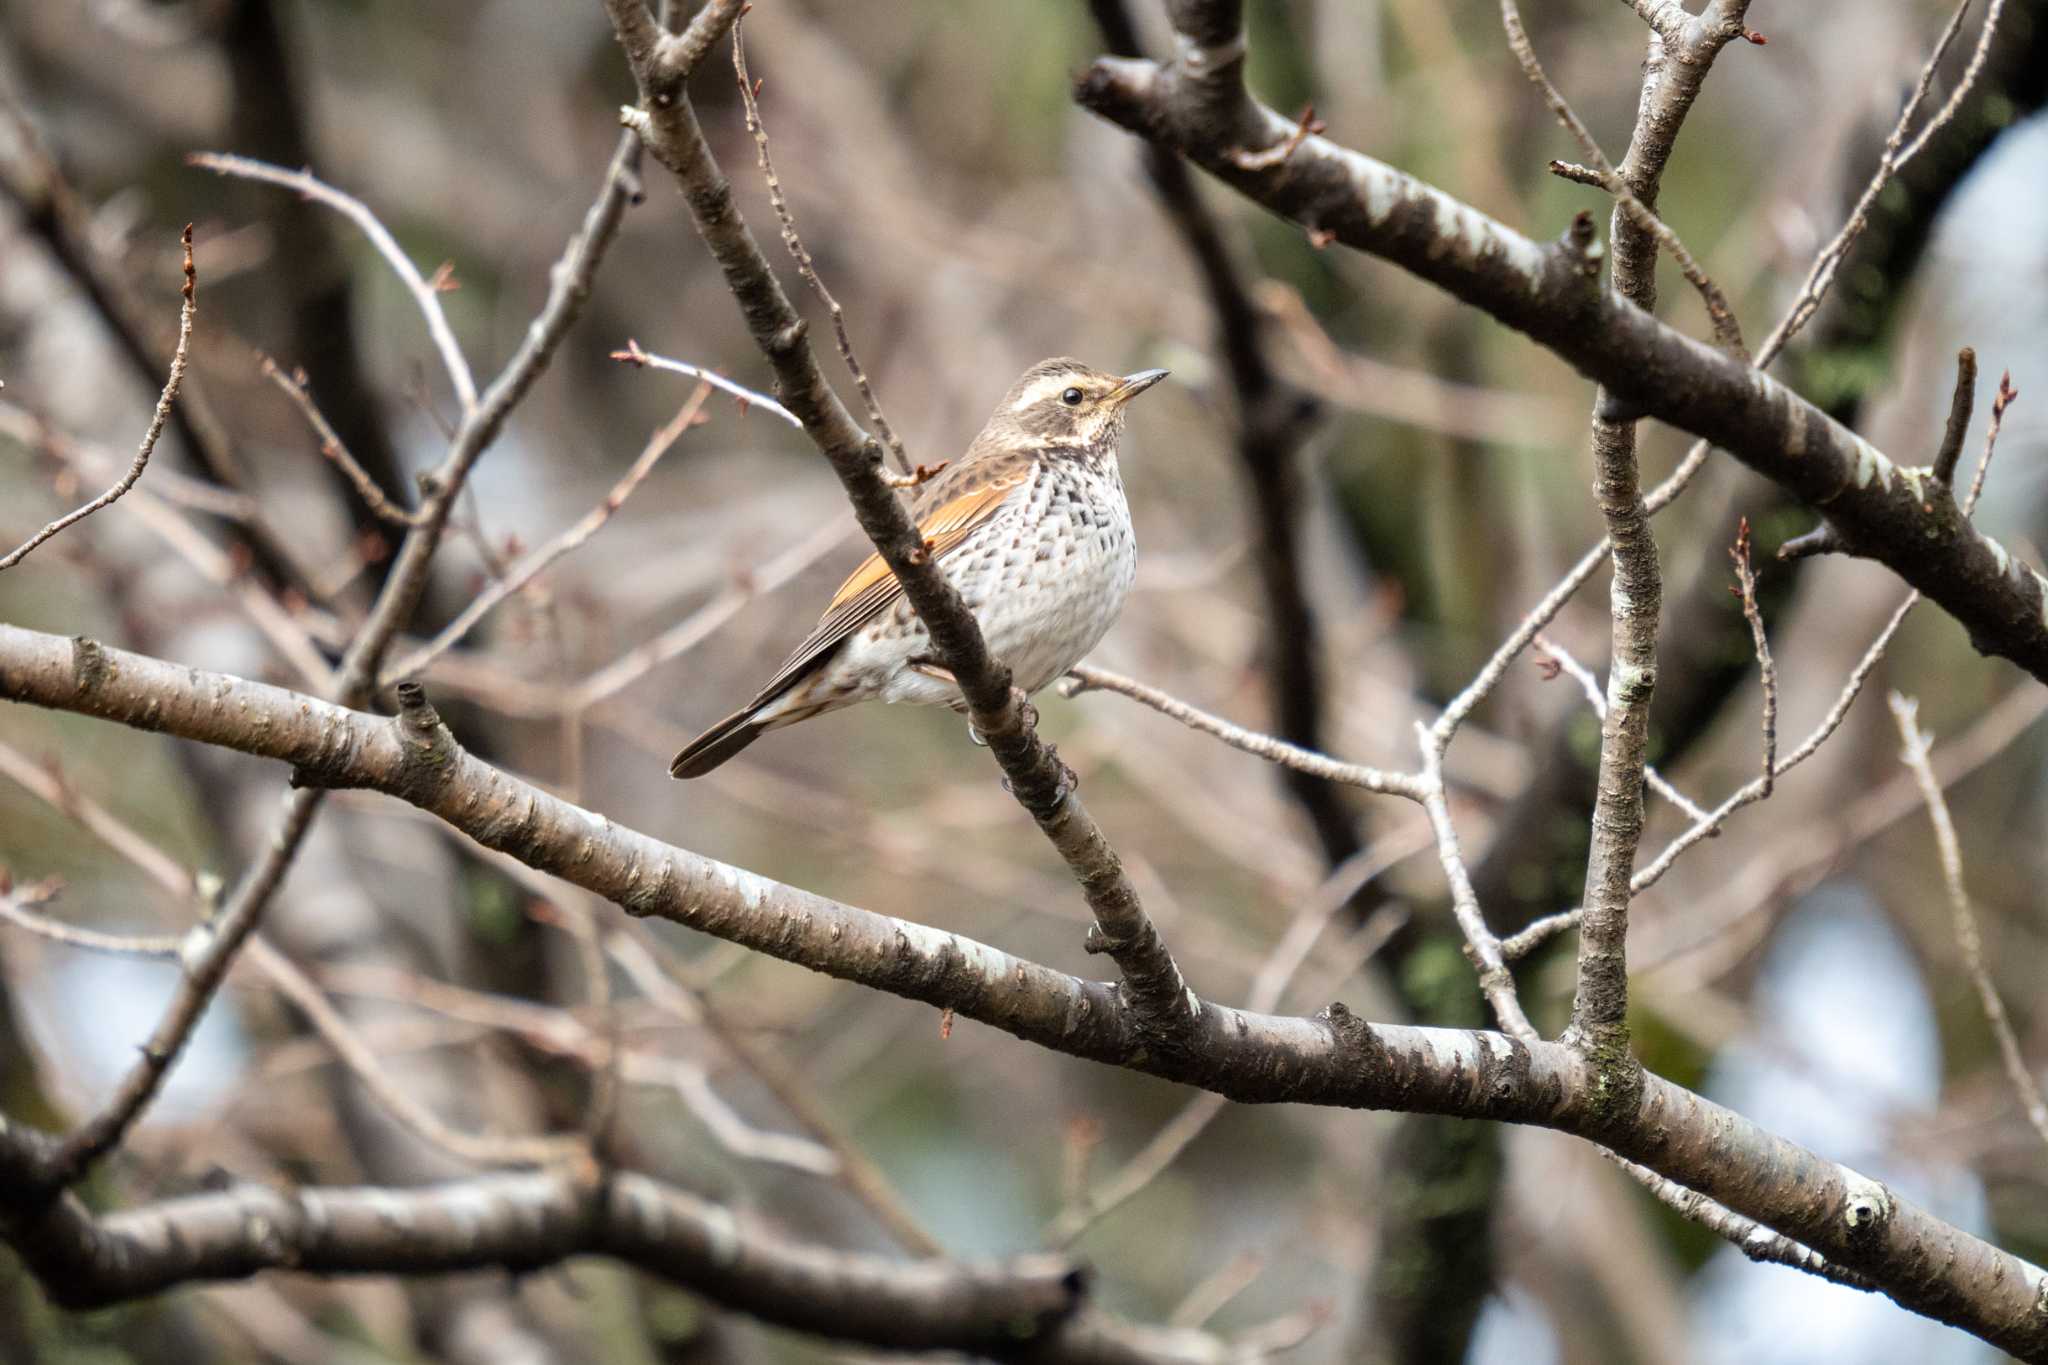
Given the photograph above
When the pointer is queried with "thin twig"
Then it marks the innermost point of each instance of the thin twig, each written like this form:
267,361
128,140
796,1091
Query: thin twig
1767,673
805,266
1539,932
425,294
636,955
157,419
1760,787
206,959
1820,276
2006,394
1086,678
1914,755
1963,85
1959,408
536,561
749,398
1597,699
481,1149
1496,982
23,909
333,447
1726,329
1819,282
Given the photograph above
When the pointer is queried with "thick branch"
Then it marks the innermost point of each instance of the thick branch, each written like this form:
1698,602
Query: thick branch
1334,1058
1198,105
524,1221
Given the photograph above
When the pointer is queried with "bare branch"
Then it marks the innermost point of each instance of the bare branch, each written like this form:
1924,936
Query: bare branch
568,289
333,448
1767,673
749,398
1152,987
1944,462
1726,330
1761,787
426,295
157,419
22,908
1595,698
1545,290
1282,962
1914,755
537,561
1334,1058
805,266
1496,982
205,956
1964,85
1087,678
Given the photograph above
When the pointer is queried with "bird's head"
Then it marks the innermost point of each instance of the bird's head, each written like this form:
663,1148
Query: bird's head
1062,402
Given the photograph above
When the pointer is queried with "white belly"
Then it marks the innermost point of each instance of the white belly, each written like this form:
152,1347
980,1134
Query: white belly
1045,579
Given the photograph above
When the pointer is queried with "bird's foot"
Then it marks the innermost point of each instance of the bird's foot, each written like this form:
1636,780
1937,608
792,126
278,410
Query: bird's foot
1067,783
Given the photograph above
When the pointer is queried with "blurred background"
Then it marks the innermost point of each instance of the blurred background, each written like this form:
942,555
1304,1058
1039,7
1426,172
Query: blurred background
1348,493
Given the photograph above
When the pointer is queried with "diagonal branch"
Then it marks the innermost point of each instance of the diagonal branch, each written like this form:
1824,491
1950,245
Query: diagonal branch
164,400
1153,987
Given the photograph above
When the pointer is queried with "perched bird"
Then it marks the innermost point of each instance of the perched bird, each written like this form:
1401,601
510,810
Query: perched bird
1032,528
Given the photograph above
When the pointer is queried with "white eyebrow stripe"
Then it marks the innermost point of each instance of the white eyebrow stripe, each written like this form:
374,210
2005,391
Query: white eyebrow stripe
1040,391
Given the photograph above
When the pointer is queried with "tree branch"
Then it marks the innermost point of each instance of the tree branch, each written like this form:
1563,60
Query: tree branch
172,382
1198,105
1154,990
1334,1058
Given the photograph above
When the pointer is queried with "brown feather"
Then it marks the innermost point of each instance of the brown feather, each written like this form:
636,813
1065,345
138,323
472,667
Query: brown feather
951,507
1035,421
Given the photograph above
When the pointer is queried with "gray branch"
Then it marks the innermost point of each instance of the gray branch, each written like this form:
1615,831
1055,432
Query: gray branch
1198,105
1333,1058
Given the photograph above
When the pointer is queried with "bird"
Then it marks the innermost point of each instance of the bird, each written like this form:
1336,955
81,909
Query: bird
1031,527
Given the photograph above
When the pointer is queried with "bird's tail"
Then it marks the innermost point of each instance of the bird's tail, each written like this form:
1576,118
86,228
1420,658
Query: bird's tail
720,742
743,727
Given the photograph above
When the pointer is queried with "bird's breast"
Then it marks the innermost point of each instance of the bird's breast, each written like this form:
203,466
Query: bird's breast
1049,576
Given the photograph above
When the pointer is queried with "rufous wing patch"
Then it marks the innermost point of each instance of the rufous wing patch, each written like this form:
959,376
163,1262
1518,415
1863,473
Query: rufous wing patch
944,527
966,500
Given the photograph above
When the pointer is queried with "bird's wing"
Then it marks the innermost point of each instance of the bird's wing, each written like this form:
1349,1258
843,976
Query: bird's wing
953,507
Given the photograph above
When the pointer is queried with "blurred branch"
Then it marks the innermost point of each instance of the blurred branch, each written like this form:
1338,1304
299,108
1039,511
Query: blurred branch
1154,989
1968,940
1283,961
539,1219
1334,1058
172,383
1272,420
204,960
426,295
52,209
333,448
536,561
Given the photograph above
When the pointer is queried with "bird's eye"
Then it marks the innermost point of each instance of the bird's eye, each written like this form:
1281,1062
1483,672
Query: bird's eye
1072,398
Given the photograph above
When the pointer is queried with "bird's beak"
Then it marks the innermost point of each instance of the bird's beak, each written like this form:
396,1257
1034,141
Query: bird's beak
1135,384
